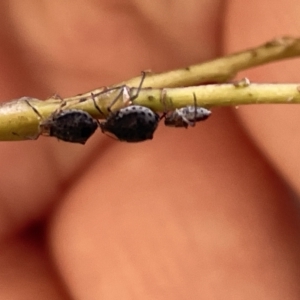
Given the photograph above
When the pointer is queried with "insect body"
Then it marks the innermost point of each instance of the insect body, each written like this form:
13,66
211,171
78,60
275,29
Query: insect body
132,124
186,116
70,125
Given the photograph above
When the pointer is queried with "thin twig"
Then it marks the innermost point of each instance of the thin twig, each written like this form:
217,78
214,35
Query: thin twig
217,70
18,121
213,95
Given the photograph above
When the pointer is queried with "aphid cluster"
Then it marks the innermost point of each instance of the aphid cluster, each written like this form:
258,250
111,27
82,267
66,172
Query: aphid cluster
137,123
133,123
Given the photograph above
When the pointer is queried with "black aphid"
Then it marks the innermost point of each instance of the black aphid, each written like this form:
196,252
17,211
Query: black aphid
131,124
69,125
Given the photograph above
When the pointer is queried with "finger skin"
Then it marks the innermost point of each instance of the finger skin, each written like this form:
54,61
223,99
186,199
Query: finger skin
192,214
273,127
26,271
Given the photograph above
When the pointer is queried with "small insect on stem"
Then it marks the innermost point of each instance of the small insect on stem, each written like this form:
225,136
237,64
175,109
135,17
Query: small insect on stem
131,124
69,125
186,116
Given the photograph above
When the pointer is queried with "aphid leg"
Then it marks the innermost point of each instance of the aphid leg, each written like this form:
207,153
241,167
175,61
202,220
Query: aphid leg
56,96
125,93
34,109
163,95
187,121
195,109
116,98
96,105
105,90
100,111
40,117
133,97
62,101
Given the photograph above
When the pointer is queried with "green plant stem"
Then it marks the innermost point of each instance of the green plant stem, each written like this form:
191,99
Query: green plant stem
23,123
218,95
19,122
217,70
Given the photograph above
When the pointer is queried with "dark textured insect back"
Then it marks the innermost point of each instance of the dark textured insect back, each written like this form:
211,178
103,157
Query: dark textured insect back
71,125
132,124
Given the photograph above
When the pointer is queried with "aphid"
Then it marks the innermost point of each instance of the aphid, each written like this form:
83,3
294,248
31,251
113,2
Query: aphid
70,125
186,116
131,124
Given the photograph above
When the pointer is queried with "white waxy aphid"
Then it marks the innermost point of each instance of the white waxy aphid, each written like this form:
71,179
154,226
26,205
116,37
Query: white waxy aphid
186,116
